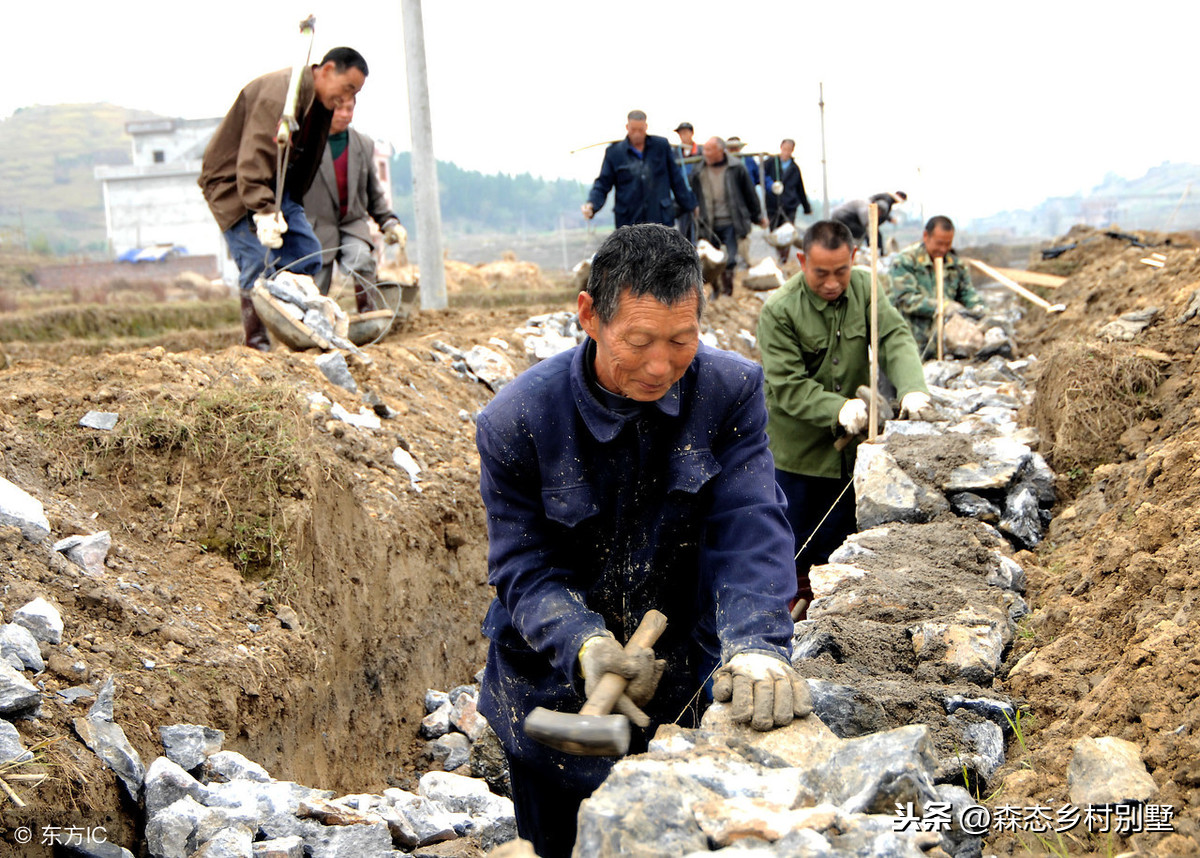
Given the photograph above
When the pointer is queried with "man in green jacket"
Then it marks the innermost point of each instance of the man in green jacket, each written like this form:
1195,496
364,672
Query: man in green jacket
914,286
813,336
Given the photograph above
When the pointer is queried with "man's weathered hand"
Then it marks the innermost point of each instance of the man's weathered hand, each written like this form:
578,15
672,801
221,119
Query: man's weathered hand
853,416
269,228
601,654
762,689
587,210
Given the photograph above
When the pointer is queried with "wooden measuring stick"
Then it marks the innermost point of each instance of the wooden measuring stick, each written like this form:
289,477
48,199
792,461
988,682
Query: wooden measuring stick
939,273
873,406
1017,287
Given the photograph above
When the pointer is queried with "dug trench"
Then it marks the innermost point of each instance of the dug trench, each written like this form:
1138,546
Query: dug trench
303,596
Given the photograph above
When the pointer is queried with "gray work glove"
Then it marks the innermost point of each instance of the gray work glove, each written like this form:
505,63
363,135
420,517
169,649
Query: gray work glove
762,689
601,654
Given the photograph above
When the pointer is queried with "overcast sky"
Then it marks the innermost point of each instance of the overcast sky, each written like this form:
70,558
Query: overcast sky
969,107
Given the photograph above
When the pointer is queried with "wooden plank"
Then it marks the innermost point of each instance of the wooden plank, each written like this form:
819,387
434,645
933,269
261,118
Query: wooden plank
1017,287
1032,278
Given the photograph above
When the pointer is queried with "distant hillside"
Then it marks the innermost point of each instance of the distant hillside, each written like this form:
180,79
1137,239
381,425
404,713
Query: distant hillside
49,197
50,200
1167,197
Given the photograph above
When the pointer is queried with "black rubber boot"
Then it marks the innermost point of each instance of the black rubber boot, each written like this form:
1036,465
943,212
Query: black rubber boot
726,282
363,298
256,332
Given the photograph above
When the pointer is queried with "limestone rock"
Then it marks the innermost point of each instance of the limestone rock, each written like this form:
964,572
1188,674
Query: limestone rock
17,694
1128,326
18,641
11,749
232,766
491,367
189,745
234,842
108,742
105,421
42,619
334,367
966,646
885,493
166,782
87,551
23,510
1107,770
282,847
847,711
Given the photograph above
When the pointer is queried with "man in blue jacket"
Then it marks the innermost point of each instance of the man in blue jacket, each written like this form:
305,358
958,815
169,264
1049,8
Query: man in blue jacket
643,170
631,473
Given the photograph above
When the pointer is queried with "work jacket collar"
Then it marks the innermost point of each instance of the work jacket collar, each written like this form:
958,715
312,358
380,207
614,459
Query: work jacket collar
923,257
604,423
819,303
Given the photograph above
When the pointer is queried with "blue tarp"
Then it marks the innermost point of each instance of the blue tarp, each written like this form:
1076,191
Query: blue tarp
154,253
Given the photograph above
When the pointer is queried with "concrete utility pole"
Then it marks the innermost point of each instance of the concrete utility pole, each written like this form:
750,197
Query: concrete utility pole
424,164
824,174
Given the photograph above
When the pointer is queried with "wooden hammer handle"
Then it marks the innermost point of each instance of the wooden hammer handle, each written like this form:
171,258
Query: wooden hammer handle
612,685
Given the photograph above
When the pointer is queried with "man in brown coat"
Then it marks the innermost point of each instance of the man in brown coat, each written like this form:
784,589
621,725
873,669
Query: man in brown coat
347,191
240,180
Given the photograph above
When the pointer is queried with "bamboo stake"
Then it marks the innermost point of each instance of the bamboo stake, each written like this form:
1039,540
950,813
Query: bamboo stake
939,273
1018,288
873,409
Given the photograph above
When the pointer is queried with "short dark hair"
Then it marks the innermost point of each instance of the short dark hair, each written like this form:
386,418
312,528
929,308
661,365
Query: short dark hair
648,259
902,195
939,222
636,116
787,140
345,58
830,234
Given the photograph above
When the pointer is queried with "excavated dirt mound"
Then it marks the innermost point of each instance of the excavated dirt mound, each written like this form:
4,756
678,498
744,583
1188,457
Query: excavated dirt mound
1113,645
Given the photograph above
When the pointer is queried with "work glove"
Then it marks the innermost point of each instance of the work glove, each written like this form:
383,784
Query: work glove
916,406
395,233
270,227
762,689
601,654
853,416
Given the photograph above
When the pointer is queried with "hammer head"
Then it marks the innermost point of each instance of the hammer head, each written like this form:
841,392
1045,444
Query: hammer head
885,407
582,735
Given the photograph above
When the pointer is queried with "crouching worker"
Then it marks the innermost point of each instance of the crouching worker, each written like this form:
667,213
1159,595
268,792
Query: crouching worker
631,473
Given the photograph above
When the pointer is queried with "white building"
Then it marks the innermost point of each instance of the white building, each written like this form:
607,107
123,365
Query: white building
156,200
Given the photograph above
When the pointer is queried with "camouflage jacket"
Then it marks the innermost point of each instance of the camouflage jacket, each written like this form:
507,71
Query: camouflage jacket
914,289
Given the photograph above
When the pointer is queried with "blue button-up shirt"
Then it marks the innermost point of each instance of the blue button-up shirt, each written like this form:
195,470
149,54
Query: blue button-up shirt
597,515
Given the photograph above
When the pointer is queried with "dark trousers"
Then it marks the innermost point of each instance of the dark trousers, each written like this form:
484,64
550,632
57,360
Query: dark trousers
546,811
809,499
301,252
686,223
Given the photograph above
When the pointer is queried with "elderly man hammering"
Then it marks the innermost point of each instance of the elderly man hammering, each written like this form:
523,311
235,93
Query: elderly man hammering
631,473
